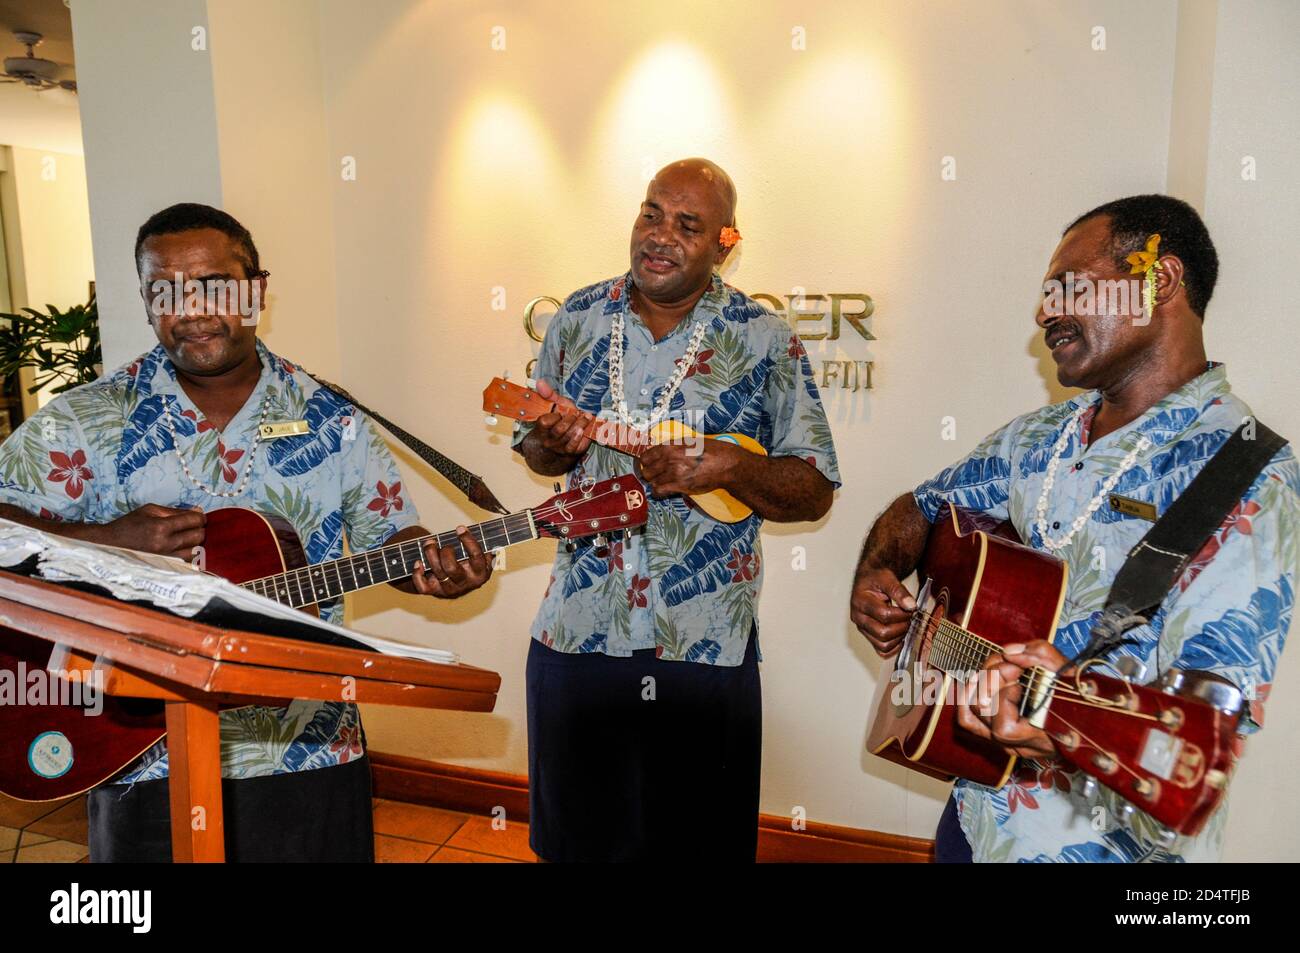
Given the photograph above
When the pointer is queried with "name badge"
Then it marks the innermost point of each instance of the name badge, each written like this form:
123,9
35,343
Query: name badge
1143,511
282,428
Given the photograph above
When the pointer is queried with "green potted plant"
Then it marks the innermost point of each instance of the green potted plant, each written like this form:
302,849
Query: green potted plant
62,347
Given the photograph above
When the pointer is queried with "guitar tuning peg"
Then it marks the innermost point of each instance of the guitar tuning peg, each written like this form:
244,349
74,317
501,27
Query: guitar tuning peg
1126,814
570,546
491,420
627,537
1089,789
1166,838
1131,668
557,487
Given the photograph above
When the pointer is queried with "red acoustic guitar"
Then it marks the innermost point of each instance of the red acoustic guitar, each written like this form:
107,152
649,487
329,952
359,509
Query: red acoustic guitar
263,554
1166,749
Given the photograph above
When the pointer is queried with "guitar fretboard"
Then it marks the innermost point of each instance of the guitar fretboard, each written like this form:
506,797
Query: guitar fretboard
393,563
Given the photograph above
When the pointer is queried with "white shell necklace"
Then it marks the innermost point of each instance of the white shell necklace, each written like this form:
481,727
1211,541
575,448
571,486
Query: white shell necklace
674,383
1040,518
248,465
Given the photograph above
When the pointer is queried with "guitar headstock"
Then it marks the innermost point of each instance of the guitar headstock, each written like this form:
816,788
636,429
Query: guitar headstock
609,506
1168,749
514,401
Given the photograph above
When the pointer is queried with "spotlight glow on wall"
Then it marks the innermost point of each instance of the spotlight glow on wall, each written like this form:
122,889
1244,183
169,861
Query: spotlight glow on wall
669,104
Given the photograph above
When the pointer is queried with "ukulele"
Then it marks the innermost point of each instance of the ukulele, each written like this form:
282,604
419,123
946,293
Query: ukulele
1166,749
263,554
524,404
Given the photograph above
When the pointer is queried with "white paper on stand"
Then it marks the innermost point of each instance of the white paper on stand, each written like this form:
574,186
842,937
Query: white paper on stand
168,583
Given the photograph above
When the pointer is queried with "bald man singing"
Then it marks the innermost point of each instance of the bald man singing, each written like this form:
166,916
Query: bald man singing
644,706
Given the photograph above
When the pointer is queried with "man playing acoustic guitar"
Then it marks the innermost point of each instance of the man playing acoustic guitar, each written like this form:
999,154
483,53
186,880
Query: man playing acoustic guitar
135,458
1154,413
644,709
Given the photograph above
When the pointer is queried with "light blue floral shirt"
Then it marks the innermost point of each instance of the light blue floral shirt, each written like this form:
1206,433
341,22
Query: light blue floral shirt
687,585
1228,614
103,450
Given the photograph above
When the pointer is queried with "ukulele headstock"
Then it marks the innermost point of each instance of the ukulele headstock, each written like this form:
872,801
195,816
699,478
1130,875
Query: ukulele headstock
1168,749
608,506
504,399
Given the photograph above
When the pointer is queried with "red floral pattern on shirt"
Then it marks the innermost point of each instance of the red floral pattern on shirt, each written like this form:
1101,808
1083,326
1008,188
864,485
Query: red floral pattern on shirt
636,597
71,471
228,460
1020,794
1237,521
743,566
200,425
348,744
389,498
701,364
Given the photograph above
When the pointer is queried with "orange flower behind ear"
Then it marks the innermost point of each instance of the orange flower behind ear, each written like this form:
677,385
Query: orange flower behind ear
729,237
1140,261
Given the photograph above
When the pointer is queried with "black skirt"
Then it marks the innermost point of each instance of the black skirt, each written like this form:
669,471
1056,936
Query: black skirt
640,759
320,816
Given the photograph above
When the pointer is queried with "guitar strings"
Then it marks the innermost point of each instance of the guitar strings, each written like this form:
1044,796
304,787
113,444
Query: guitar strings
279,583
960,645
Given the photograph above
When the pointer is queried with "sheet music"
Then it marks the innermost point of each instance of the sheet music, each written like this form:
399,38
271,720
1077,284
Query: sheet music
168,583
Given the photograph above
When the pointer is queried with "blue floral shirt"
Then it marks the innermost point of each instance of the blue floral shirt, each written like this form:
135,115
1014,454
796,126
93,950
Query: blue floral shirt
1228,614
104,449
687,585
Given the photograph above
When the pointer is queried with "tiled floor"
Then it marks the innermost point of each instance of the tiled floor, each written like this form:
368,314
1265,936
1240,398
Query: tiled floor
55,832
46,832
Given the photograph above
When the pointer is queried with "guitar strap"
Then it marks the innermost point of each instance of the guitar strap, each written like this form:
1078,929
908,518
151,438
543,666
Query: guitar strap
1159,558
472,485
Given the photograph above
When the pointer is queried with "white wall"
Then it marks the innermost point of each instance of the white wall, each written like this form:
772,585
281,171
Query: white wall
53,220
1251,327
47,236
521,169
148,124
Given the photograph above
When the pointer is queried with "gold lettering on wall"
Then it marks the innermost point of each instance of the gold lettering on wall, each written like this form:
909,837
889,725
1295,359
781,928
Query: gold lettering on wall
810,323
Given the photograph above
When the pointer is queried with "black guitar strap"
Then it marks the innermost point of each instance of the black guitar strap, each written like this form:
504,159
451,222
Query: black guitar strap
468,483
1159,558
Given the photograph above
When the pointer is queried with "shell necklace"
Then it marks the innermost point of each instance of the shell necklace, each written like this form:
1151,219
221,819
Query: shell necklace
674,383
1040,518
248,465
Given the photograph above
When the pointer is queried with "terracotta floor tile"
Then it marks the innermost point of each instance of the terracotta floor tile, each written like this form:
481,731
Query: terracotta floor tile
450,855
51,852
67,823
7,856
8,838
30,838
16,813
416,822
477,834
394,850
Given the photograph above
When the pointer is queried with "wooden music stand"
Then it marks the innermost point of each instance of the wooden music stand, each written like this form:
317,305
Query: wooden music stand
197,669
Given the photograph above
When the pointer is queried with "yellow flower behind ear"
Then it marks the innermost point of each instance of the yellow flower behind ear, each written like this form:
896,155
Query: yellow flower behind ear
1141,261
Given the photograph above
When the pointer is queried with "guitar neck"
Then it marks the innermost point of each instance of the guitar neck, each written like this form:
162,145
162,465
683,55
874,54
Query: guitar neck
393,563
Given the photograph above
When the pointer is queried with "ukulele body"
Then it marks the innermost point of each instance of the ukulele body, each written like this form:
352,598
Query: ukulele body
718,504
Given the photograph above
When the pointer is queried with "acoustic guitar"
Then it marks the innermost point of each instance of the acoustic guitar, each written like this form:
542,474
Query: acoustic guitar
1166,749
503,398
263,554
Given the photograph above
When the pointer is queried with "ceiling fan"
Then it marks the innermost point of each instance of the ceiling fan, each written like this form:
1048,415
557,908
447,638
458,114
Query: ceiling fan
31,70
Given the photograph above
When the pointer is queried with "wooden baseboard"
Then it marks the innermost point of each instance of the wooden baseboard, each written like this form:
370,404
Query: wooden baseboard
476,791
